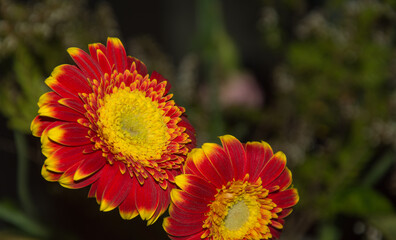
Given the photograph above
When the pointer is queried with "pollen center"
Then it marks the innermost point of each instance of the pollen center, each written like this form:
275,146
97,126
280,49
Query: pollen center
132,125
241,210
237,215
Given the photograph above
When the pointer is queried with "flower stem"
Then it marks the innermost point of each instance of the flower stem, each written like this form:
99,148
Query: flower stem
22,172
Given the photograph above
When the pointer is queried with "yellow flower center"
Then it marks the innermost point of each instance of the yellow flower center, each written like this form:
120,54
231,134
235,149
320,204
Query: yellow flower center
133,125
241,210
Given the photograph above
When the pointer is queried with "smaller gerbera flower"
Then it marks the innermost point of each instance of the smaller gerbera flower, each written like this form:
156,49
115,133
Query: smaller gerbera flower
240,191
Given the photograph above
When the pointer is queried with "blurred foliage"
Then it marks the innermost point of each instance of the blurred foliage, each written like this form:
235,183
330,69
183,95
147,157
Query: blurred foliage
32,37
335,87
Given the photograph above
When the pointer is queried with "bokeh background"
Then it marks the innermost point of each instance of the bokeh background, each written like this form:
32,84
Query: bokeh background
316,79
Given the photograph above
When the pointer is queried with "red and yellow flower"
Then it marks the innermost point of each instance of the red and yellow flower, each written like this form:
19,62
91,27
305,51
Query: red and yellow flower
238,191
108,124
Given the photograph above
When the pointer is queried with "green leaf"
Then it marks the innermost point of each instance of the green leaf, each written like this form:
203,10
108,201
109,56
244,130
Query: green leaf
362,202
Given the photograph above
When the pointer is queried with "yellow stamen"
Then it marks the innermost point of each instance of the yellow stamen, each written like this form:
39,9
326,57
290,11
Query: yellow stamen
133,125
241,210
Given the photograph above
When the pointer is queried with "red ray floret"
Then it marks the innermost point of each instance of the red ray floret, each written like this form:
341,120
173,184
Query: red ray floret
79,155
216,179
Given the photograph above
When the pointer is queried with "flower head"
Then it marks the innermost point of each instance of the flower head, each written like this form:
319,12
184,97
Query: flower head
108,124
238,191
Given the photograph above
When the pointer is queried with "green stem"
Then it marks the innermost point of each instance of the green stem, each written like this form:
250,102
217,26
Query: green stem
22,173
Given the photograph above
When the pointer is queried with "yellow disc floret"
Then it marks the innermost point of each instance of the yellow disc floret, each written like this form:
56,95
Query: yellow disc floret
132,124
241,210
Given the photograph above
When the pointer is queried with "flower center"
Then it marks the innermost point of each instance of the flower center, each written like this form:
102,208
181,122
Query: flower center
133,125
241,210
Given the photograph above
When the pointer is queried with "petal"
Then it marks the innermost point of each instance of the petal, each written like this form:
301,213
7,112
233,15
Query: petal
73,104
39,124
206,168
187,202
104,62
258,154
69,134
220,161
116,191
164,200
94,48
82,183
185,216
59,112
236,154
160,79
136,64
92,163
285,199
48,98
147,198
196,186
50,176
68,81
176,228
285,212
86,63
127,208
63,158
283,181
273,168
116,54
189,166
108,172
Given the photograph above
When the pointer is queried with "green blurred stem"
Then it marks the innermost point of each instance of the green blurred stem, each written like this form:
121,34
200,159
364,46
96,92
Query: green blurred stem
21,220
22,172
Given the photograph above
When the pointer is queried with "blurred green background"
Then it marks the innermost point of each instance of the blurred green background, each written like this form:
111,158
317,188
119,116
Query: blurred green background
315,79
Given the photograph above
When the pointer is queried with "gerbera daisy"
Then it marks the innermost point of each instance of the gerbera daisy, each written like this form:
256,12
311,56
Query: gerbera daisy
238,191
108,124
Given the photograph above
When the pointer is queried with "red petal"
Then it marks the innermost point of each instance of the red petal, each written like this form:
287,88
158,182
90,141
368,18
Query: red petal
273,168
116,191
86,63
196,186
108,172
206,168
160,79
147,199
176,228
92,163
69,134
185,216
48,98
68,81
104,62
283,181
73,104
236,153
83,183
116,54
128,207
187,202
285,199
65,157
59,112
139,66
285,212
94,48
275,233
39,124
190,168
50,176
164,200
258,154
220,161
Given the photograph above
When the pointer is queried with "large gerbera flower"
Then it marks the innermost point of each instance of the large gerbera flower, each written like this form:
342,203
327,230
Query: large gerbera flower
235,192
110,125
